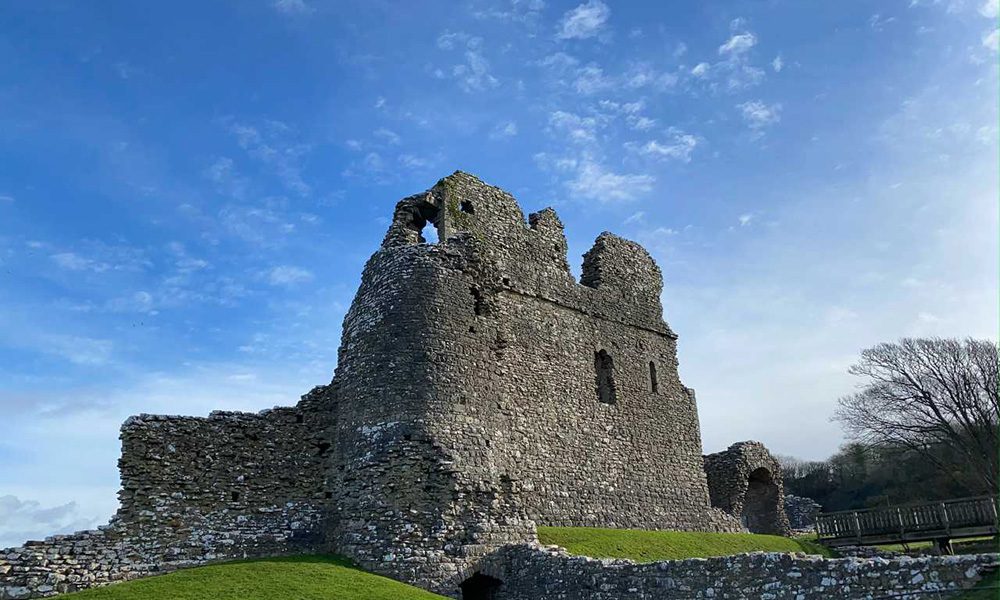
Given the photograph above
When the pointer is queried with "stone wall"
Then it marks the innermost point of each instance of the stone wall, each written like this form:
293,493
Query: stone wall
745,481
480,389
475,369
194,490
529,572
801,511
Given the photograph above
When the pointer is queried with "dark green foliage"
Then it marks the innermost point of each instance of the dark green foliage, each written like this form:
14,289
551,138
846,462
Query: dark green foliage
862,476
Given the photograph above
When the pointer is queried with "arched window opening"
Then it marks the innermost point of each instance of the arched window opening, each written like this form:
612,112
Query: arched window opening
429,233
605,368
654,385
480,587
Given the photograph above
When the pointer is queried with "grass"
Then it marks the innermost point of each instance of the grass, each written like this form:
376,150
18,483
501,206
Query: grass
649,546
298,578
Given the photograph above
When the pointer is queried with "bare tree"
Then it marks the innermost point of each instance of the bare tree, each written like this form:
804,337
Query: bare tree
929,394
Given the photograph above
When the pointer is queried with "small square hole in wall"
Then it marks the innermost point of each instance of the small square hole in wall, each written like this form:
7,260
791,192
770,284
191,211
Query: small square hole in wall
235,496
328,495
467,207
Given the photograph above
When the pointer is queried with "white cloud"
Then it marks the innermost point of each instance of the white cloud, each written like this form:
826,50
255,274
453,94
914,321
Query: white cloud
577,128
738,44
411,161
78,349
474,75
590,79
74,262
991,40
6,198
701,69
386,135
745,219
286,275
584,21
637,217
678,147
594,182
758,115
293,7
990,9
269,144
504,129
777,64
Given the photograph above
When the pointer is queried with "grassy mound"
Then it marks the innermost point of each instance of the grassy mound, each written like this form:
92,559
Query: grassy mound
298,578
649,546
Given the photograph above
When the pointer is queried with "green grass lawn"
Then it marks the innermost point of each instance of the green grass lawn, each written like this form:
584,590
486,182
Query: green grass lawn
648,546
298,578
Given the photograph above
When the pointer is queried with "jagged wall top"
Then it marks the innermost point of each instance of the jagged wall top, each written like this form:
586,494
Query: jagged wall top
464,209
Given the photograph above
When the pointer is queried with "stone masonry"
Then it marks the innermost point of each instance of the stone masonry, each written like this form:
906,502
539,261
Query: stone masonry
480,390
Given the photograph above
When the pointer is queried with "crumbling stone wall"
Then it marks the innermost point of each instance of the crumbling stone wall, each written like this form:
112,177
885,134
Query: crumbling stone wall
475,369
528,573
801,511
745,481
194,490
480,389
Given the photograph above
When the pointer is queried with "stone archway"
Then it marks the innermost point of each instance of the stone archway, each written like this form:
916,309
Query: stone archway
480,587
759,502
745,481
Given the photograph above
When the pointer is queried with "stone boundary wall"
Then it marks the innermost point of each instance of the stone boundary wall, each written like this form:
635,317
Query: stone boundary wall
532,572
194,490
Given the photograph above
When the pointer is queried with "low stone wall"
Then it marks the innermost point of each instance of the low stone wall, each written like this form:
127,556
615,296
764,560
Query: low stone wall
194,491
528,572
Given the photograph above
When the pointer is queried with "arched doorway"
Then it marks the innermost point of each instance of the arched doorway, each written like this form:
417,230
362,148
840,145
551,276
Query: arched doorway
760,502
480,587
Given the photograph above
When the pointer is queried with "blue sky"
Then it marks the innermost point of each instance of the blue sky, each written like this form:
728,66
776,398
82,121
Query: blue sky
189,191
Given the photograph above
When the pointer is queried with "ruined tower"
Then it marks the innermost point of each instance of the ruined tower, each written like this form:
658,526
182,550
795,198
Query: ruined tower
480,391
481,386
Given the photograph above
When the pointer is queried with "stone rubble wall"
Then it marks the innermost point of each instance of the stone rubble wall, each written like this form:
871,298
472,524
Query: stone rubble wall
801,511
474,406
194,490
532,572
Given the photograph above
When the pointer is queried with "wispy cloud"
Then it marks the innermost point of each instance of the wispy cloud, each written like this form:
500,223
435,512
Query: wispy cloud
759,116
585,21
269,145
504,129
593,181
678,146
293,7
287,275
740,43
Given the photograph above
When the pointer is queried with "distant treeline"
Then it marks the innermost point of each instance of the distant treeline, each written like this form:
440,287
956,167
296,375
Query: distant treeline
864,476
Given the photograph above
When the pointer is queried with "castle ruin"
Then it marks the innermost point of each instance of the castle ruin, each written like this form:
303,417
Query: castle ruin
480,391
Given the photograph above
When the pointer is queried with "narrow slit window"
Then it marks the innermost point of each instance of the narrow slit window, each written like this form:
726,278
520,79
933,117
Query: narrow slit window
605,367
654,385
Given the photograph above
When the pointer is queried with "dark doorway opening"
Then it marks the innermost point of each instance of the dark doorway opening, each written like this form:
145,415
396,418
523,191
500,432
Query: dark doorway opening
760,504
481,587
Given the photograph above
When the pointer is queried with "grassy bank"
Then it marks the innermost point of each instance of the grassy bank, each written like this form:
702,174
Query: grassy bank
298,578
648,546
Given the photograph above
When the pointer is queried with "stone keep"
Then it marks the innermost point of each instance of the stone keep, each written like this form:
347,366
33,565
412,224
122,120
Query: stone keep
480,390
